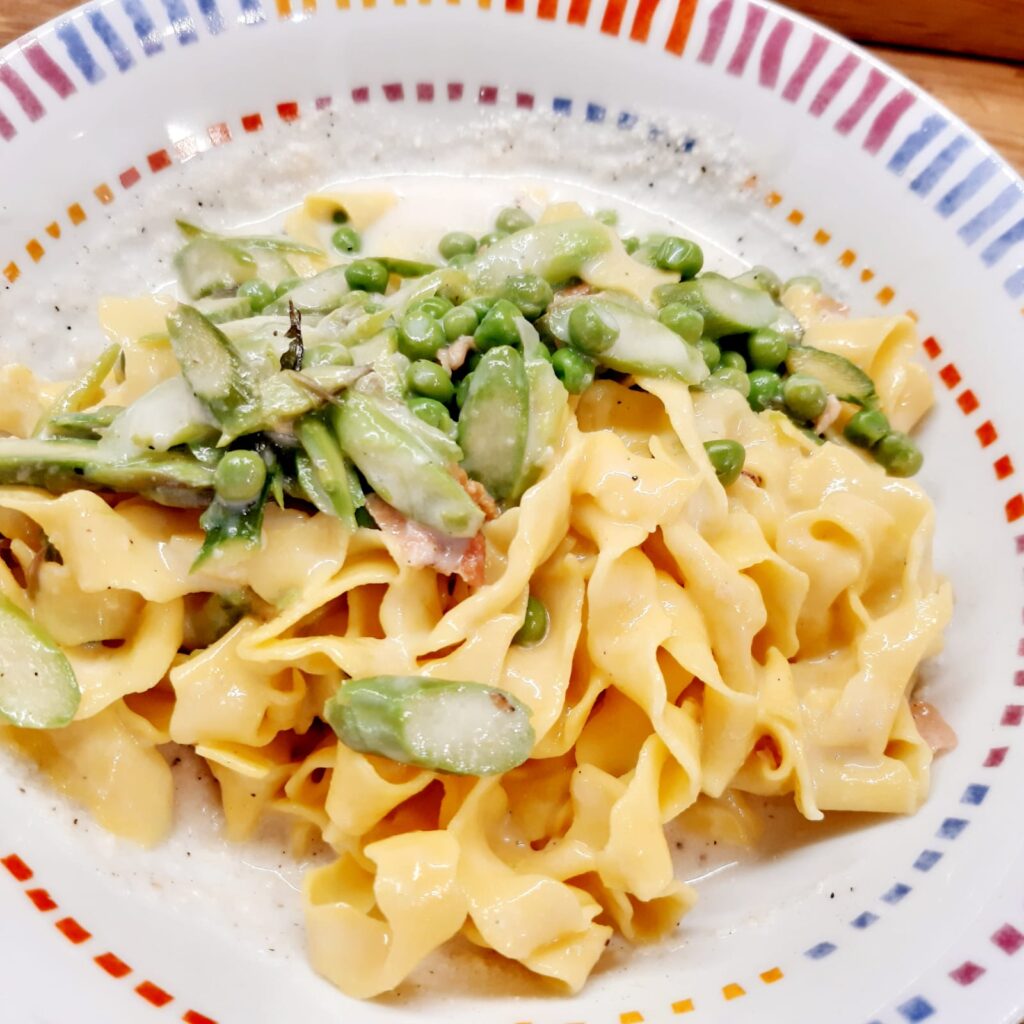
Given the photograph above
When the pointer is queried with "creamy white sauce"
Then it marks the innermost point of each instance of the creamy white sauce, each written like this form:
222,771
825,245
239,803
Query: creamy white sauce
251,892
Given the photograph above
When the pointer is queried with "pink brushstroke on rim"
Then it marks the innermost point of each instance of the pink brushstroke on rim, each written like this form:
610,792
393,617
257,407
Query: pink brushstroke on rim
718,21
773,52
828,92
49,71
887,119
751,30
862,104
7,131
27,99
811,59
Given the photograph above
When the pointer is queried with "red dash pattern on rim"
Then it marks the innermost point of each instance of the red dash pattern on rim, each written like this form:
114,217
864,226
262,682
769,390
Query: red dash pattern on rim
78,935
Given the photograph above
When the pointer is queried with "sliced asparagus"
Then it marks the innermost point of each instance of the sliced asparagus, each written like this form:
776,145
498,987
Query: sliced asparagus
494,422
327,471
85,391
215,371
407,463
58,466
166,415
38,689
727,306
845,380
85,426
227,526
462,728
207,265
320,294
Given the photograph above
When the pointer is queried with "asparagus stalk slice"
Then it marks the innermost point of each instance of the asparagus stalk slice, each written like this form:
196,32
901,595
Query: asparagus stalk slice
555,252
643,345
213,368
85,391
190,231
320,294
327,471
406,268
845,380
85,426
727,306
406,462
207,265
462,728
58,466
229,526
494,422
166,415
38,689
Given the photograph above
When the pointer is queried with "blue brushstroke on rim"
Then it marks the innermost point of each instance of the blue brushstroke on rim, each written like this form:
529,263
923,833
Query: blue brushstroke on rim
79,52
181,21
1000,246
966,188
252,12
111,40
214,19
915,142
144,26
939,167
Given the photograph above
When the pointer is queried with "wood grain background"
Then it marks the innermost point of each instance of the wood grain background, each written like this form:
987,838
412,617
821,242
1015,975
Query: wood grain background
968,53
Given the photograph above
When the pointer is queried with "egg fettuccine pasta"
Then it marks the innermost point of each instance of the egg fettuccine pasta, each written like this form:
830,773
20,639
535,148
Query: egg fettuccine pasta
710,634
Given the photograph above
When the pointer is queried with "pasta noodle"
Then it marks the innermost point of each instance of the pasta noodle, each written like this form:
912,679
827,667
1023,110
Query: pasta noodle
705,644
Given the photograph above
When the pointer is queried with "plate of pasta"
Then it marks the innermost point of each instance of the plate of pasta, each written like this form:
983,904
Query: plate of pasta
507,513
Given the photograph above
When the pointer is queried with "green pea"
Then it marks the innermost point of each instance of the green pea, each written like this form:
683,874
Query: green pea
726,458
681,256
498,326
535,624
460,260
456,243
286,286
480,305
433,413
803,281
346,239
420,335
258,292
765,390
435,305
430,379
711,352
728,377
491,237
512,219
573,369
766,348
591,330
686,321
239,477
734,360
631,244
898,454
532,294
367,276
866,427
609,217
459,322
461,390
805,397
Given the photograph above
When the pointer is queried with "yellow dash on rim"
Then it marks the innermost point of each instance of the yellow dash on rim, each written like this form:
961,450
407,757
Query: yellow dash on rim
771,976
631,1017
733,991
683,1006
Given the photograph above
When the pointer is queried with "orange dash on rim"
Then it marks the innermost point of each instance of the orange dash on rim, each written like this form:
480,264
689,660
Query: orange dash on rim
932,347
17,867
679,33
847,258
72,930
645,12
219,133
547,9
950,375
611,23
288,111
1015,508
968,402
822,237
43,901
53,229
153,993
1003,467
103,193
159,161
772,199
194,1017
35,250
252,122
112,964
866,275
76,214
578,11
12,272
987,433
795,217
885,295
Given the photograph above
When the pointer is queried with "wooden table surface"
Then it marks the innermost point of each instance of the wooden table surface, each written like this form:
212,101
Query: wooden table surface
987,91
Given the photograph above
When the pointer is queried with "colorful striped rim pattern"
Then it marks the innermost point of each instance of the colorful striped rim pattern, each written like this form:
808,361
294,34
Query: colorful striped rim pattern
935,150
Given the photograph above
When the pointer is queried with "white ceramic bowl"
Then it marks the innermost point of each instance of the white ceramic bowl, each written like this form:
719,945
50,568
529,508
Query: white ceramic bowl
768,135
